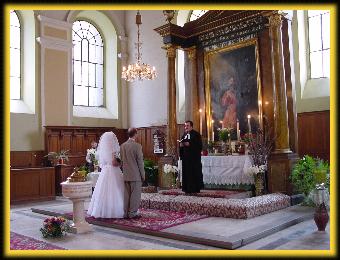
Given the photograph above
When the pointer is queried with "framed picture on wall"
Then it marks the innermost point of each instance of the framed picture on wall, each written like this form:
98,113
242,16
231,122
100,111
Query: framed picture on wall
233,89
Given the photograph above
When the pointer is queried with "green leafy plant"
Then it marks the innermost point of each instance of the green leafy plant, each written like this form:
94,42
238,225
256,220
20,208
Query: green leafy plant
224,134
304,177
151,172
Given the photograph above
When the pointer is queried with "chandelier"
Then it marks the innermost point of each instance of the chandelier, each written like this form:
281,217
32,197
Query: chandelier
138,70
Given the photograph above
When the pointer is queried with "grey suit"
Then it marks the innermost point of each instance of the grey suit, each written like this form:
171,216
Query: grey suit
134,174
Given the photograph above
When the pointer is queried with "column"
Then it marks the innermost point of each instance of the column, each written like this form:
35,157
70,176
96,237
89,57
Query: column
171,136
279,85
192,106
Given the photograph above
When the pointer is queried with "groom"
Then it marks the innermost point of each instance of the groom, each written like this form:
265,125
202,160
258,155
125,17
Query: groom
134,175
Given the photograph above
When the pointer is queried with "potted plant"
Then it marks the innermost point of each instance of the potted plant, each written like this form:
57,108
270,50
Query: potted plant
58,158
307,173
151,172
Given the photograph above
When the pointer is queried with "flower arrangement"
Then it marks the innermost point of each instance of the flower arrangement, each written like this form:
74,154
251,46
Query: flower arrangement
255,169
247,137
54,227
224,133
171,169
168,168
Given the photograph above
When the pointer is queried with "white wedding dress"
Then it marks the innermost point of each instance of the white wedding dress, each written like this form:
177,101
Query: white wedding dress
108,196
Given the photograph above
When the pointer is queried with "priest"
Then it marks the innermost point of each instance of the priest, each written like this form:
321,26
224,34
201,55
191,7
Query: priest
190,154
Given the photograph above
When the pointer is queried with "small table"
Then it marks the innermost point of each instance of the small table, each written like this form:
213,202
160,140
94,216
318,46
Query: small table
93,177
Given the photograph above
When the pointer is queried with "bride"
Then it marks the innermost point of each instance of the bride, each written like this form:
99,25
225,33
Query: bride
108,196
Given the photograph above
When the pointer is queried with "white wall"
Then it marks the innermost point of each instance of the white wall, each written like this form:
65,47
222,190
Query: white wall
147,100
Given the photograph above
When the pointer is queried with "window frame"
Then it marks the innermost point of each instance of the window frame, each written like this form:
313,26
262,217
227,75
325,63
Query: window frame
21,57
103,69
309,71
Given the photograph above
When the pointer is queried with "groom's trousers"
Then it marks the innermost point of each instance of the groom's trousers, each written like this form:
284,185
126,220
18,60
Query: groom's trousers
132,198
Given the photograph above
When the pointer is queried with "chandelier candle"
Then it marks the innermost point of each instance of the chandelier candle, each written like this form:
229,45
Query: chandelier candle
138,70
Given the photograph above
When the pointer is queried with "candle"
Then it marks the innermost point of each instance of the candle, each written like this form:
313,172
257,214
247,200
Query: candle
212,127
200,110
222,126
249,126
238,130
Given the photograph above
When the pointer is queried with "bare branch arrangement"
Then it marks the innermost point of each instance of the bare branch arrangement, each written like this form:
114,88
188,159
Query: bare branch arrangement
260,147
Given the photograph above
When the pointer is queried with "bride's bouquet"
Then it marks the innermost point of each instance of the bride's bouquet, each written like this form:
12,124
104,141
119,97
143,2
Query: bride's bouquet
91,156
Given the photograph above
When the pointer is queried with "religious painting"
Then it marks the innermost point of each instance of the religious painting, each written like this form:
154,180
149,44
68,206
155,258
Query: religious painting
233,92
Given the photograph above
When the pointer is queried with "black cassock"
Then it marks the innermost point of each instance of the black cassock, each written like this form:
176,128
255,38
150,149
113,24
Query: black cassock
192,177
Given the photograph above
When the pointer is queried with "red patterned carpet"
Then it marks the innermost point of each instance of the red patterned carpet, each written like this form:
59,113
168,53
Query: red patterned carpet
151,219
21,242
205,193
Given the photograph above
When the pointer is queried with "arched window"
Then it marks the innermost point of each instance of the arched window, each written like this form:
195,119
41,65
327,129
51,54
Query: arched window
88,65
15,56
319,43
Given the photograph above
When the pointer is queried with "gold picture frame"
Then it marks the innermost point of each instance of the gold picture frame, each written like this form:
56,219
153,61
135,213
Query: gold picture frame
235,63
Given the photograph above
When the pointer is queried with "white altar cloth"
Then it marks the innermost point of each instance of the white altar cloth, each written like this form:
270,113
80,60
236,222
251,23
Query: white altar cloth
93,177
226,169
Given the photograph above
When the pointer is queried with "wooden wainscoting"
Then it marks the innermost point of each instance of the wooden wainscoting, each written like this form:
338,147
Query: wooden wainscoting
27,158
62,172
145,138
314,134
77,139
32,184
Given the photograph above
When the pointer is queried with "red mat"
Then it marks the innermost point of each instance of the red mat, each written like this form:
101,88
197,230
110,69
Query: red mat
151,219
21,242
203,193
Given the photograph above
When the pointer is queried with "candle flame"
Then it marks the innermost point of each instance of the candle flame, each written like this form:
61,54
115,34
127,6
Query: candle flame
200,110
248,116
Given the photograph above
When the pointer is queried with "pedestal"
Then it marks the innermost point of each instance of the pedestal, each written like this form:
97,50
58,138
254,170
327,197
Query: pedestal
77,192
280,167
79,225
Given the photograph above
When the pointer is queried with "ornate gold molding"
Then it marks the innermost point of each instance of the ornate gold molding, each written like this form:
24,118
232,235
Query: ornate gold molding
275,20
170,50
191,52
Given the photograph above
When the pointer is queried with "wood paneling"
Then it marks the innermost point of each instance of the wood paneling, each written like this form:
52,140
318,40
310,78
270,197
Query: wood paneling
77,140
32,184
145,138
62,172
27,158
314,134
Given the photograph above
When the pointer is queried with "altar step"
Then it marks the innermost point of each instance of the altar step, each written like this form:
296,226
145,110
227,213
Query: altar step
217,207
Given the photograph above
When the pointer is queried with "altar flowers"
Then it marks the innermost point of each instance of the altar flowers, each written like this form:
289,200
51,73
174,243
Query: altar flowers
173,170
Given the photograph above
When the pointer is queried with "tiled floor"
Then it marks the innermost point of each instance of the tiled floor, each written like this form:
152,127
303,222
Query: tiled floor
301,236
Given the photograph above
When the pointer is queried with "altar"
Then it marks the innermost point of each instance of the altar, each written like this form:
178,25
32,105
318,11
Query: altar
226,169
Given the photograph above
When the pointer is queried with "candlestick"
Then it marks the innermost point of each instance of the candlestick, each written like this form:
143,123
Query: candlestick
249,126
238,130
200,110
212,127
